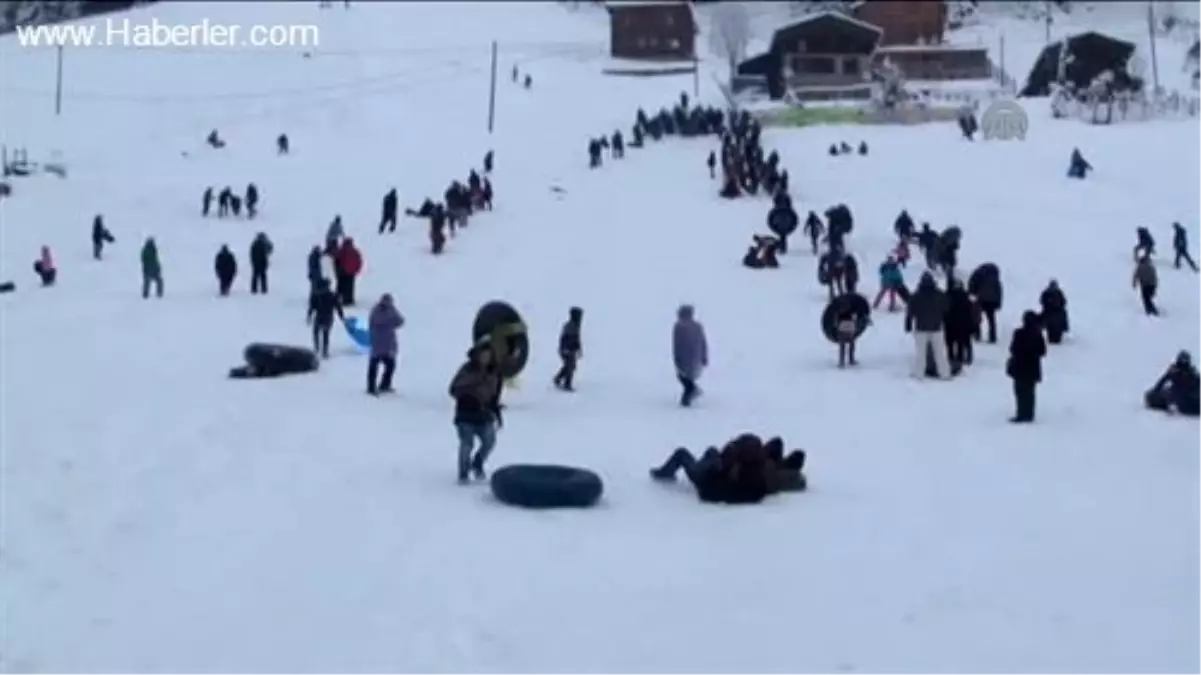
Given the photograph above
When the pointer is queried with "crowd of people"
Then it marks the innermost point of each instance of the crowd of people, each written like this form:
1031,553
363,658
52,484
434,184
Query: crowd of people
946,312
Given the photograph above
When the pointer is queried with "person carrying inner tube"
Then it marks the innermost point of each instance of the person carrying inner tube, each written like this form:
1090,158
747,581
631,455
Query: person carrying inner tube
476,389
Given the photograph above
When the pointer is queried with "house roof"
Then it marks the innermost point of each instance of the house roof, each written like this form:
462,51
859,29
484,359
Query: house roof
827,15
622,4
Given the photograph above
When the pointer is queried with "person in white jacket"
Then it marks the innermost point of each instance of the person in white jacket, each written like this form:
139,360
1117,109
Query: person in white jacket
924,318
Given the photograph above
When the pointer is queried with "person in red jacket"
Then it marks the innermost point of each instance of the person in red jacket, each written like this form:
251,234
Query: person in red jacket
348,262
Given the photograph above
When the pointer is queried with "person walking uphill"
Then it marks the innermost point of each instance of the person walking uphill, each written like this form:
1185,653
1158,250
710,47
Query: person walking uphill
570,349
348,262
323,305
100,237
382,323
476,390
1180,246
260,258
690,352
152,269
1026,352
924,318
1146,280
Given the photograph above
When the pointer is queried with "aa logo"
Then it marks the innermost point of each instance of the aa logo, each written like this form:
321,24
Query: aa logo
1004,120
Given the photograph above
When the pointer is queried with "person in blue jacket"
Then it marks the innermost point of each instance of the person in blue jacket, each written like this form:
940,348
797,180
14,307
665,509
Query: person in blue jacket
891,281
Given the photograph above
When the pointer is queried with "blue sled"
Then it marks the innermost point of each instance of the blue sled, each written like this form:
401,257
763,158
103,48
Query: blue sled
358,334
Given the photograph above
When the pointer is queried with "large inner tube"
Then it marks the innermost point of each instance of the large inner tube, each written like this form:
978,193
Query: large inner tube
268,360
507,332
859,306
546,486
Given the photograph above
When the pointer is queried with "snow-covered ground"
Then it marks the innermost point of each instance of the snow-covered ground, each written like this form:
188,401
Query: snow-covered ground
157,516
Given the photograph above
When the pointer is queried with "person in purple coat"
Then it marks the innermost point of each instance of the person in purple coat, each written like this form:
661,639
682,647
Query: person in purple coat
382,324
689,351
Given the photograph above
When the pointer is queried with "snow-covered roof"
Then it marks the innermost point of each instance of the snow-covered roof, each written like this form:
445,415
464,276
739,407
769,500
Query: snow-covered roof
832,15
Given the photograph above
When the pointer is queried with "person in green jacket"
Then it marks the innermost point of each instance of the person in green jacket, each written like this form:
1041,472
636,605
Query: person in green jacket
152,270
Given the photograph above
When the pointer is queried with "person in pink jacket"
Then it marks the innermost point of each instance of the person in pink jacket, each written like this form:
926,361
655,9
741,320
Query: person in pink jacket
44,266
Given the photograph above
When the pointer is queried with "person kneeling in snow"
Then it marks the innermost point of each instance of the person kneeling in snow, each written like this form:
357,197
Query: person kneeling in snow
745,471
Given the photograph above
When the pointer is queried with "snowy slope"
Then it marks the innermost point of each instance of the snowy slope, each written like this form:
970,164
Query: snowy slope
158,516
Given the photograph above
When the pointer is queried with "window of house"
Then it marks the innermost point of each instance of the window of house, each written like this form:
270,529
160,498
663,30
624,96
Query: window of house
809,65
850,66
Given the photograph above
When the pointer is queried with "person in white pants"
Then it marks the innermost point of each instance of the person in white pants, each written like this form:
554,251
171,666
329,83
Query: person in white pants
924,317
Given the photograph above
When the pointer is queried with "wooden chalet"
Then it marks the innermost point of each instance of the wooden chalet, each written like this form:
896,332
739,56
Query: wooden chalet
652,31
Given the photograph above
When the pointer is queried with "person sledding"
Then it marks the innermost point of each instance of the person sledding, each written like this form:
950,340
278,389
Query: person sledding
1178,390
745,471
762,253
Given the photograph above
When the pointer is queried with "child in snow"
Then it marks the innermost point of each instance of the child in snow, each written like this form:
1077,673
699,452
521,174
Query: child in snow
44,266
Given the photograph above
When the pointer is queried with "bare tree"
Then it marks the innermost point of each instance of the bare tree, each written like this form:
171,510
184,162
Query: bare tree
730,33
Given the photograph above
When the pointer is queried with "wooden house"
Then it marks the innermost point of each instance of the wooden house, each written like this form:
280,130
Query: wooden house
904,22
652,31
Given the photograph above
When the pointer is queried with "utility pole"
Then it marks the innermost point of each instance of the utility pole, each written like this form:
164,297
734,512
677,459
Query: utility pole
1048,7
1151,33
696,78
492,92
58,81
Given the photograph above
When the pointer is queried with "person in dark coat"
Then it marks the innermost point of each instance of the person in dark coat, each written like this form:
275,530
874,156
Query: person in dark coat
437,231
959,325
225,265
260,258
235,205
224,199
813,228
1146,280
617,147
594,153
324,304
571,349
100,237
1054,312
1026,352
252,201
1180,246
904,226
206,202
488,157
152,269
1145,244
387,221
745,471
486,194
1178,389
281,144
476,389
850,273
711,162
925,315
1078,167
382,324
313,267
989,292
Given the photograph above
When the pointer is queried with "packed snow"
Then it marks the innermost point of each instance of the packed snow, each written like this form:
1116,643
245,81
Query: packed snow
158,516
